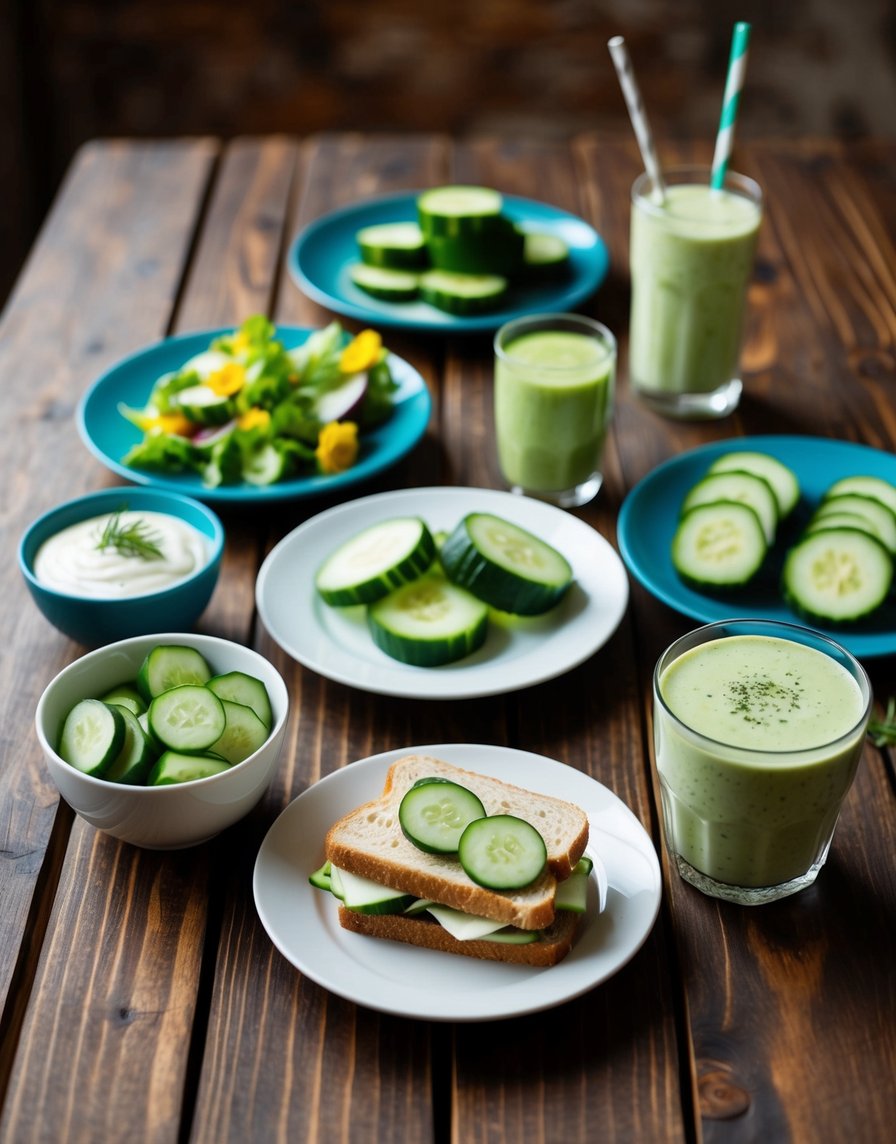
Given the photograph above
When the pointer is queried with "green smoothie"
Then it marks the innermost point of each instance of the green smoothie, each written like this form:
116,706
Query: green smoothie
553,399
764,744
691,259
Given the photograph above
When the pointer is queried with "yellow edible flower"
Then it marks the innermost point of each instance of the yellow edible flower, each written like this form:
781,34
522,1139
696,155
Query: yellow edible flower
337,446
240,342
361,352
254,418
227,380
173,423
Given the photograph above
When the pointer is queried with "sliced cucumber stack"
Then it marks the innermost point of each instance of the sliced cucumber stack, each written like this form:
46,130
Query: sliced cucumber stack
376,561
780,477
459,211
505,565
392,245
719,545
462,293
428,622
747,488
386,284
837,575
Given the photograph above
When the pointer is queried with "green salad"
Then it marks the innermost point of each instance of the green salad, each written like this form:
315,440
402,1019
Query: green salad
249,409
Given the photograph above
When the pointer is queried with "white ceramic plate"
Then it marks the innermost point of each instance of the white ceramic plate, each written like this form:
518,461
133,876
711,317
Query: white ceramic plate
335,642
394,978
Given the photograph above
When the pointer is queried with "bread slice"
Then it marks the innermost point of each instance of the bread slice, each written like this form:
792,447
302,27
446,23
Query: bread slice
369,842
552,946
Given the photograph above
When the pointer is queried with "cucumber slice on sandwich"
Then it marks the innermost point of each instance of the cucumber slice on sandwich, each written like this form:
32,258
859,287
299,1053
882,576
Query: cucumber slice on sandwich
373,563
435,812
502,852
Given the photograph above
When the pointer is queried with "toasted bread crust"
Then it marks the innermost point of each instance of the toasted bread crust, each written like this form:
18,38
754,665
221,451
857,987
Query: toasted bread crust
554,944
369,842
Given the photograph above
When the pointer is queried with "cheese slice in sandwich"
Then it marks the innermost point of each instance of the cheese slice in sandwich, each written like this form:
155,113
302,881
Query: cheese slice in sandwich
369,843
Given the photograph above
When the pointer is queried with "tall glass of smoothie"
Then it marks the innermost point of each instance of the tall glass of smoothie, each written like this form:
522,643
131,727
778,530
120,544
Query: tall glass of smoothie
554,383
691,259
758,731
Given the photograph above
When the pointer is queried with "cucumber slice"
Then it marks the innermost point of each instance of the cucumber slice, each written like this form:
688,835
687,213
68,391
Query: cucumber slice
502,852
463,293
572,894
875,487
386,284
246,689
175,767
137,754
545,255
428,622
126,695
720,545
883,519
498,250
243,733
738,486
837,575
459,210
187,718
170,665
783,480
321,878
201,404
393,245
433,815
376,561
829,520
366,896
92,736
265,465
505,565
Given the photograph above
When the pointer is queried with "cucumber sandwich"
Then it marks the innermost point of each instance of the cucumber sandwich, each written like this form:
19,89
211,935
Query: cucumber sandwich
451,860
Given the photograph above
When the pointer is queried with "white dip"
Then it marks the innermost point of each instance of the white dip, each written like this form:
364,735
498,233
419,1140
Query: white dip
72,561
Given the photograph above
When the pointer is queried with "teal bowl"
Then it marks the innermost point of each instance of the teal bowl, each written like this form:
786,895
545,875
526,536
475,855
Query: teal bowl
95,622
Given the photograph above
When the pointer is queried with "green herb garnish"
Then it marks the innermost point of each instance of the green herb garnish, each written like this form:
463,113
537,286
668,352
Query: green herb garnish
883,731
132,539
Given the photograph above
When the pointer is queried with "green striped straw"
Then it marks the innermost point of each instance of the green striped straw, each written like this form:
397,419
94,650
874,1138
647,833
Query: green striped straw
737,67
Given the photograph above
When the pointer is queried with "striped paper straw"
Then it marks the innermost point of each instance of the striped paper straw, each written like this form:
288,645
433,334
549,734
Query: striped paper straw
637,114
737,67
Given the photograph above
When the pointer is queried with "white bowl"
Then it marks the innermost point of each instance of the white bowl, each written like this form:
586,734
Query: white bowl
162,817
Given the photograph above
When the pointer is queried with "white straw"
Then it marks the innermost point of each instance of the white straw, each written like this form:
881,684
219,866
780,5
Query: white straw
637,114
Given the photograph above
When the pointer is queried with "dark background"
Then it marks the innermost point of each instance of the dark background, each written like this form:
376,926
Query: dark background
72,70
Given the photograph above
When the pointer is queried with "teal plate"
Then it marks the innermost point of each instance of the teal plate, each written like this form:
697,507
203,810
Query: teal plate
649,514
109,436
320,258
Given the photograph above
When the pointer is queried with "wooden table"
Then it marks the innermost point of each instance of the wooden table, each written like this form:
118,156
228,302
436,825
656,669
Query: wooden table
142,999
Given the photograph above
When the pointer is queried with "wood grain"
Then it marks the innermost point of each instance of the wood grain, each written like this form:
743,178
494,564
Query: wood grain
142,997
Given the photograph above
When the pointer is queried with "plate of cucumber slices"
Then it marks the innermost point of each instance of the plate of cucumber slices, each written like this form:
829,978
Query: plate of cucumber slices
425,984
460,647
360,261
828,506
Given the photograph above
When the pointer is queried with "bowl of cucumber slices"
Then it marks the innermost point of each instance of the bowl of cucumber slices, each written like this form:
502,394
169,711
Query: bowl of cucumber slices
163,741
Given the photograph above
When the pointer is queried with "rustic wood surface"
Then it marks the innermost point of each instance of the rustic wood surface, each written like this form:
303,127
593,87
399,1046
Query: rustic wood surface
141,997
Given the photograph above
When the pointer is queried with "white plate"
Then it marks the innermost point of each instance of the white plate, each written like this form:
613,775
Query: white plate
335,642
394,978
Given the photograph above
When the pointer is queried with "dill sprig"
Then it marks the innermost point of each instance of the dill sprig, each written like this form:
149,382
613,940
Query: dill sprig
883,731
132,539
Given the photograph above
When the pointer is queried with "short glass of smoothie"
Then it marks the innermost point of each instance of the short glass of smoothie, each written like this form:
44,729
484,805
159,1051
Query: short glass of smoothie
554,384
758,732
691,259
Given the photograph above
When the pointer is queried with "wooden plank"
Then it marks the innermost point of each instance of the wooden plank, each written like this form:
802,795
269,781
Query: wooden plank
99,283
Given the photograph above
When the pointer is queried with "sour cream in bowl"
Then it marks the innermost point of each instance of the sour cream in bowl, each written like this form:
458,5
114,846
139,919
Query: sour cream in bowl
122,562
